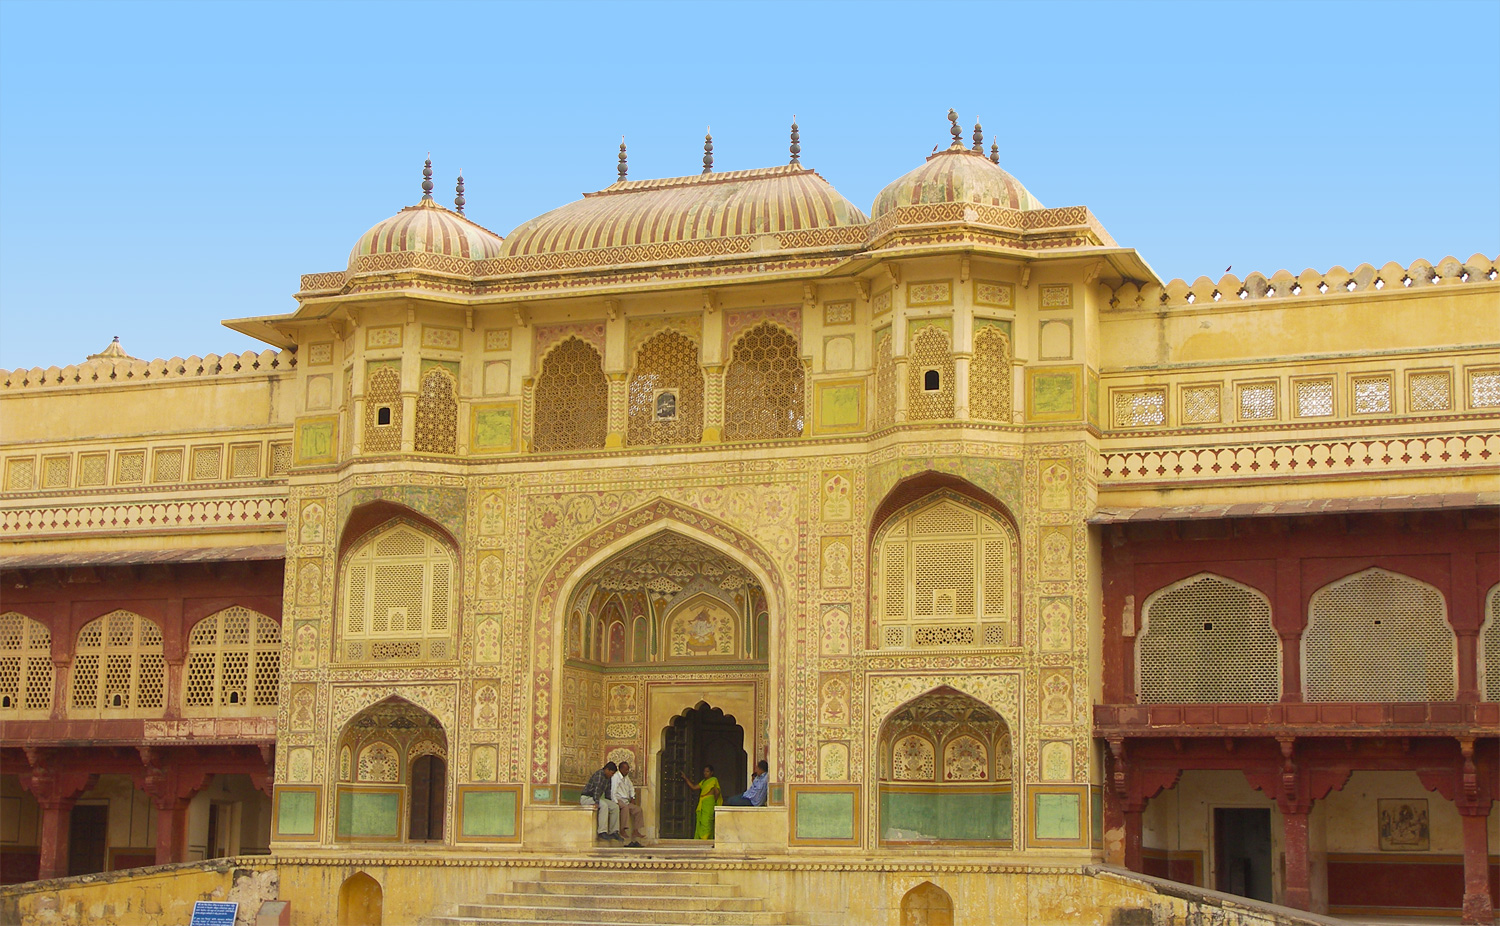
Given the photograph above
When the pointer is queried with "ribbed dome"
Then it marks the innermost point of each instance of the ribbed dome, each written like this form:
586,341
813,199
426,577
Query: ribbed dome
635,213
957,175
425,228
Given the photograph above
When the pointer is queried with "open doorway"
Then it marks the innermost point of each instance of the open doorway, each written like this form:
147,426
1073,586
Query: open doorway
88,838
1242,851
699,736
429,778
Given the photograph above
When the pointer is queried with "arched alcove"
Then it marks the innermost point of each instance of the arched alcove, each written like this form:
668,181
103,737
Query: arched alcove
1208,639
926,905
1379,636
392,775
701,735
360,901
945,770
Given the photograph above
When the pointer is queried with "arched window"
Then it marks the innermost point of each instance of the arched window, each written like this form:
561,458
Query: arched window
763,386
398,597
989,375
233,664
26,674
945,576
1208,639
437,413
1490,645
118,668
666,392
571,399
383,411
885,381
1379,636
927,396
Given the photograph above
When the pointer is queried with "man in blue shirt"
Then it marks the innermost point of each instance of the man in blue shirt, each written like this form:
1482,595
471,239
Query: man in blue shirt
756,796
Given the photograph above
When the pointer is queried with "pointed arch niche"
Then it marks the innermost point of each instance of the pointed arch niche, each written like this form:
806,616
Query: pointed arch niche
392,775
398,595
1379,636
945,761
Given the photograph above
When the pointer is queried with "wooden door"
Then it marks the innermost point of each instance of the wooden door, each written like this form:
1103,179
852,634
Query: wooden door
678,801
88,838
428,789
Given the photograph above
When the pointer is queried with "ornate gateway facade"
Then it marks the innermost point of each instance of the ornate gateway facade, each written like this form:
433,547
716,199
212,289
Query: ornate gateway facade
997,547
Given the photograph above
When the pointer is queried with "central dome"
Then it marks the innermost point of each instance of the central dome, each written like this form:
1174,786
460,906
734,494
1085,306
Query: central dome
680,210
957,175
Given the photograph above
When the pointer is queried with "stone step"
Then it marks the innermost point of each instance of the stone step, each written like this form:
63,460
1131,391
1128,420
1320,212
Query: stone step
682,920
633,887
604,874
512,916
656,901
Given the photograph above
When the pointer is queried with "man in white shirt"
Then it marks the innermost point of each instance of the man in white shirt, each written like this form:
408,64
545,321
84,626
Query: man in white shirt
632,824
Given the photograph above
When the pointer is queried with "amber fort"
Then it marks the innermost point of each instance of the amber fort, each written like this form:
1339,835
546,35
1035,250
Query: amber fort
1051,591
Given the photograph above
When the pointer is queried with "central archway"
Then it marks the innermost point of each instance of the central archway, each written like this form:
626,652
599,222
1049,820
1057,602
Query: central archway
699,736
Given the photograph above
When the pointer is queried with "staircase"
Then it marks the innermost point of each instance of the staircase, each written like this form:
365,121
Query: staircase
615,897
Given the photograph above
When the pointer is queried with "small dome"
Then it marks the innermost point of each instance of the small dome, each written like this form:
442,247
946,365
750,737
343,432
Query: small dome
957,175
425,228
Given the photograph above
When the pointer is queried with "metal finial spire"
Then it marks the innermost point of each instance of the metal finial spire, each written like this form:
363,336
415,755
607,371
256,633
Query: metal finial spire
796,142
458,201
708,151
623,168
978,138
954,130
994,152
427,178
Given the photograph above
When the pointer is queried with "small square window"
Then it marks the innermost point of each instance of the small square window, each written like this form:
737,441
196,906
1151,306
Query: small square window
383,415
932,381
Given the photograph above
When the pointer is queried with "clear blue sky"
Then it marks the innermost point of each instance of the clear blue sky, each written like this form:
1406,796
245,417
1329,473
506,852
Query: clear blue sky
163,167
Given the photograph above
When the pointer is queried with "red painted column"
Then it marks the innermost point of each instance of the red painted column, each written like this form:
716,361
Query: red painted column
1289,621
1466,616
1478,908
1297,884
57,816
1134,831
171,830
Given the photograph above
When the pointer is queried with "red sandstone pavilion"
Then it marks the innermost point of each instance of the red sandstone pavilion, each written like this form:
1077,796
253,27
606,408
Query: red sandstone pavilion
1051,591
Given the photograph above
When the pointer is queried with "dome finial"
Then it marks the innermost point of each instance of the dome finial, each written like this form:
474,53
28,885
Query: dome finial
954,130
708,151
427,178
978,138
994,152
796,142
623,169
458,201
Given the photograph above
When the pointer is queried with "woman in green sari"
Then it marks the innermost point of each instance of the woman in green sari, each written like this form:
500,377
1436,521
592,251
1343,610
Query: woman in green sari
709,797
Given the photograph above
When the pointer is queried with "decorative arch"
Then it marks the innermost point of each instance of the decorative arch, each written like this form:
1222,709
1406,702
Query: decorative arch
926,905
702,627
929,385
665,398
571,399
945,572
376,514
119,669
1208,639
940,771
395,747
399,592
990,376
1378,635
233,664
360,901
558,582
764,385
27,675
1489,644
382,432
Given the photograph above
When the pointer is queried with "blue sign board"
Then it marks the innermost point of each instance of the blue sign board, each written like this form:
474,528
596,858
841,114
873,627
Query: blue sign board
214,913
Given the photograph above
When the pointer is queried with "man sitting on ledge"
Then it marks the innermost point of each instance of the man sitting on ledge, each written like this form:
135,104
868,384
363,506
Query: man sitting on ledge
756,795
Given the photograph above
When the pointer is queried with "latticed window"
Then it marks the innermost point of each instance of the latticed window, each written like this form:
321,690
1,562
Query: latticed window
118,667
233,663
437,413
885,382
383,411
944,577
929,379
989,375
398,597
572,399
1490,645
666,392
26,674
763,386
1207,640
1379,636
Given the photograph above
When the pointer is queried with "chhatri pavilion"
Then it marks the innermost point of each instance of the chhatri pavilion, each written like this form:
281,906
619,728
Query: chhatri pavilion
1051,591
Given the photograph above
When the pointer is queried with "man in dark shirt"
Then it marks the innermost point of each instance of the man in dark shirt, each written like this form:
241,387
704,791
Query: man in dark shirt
600,791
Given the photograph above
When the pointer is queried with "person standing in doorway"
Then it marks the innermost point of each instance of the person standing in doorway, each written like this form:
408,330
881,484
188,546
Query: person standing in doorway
599,791
632,822
756,795
709,797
